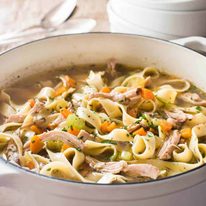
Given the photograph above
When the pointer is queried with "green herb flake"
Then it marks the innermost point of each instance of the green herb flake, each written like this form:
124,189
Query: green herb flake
150,135
109,142
125,127
198,108
78,149
49,169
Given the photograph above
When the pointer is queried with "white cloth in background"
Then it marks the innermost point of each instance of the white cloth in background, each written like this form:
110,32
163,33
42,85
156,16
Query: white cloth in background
18,14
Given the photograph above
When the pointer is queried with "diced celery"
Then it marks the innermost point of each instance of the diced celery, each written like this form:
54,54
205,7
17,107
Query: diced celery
54,145
75,122
125,155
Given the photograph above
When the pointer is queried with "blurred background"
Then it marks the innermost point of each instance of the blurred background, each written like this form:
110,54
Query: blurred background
26,20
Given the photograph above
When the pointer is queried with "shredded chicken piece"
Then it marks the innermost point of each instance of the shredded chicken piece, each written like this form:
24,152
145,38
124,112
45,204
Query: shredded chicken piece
179,115
106,167
168,147
40,121
193,98
111,72
84,135
132,170
64,79
17,118
62,136
11,152
58,120
133,127
37,108
145,170
130,97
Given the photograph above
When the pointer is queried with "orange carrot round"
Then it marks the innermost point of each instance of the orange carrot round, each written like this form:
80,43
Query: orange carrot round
147,94
105,90
36,144
141,131
186,133
73,131
65,112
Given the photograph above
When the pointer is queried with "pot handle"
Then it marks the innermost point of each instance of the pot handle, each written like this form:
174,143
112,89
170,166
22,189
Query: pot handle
195,42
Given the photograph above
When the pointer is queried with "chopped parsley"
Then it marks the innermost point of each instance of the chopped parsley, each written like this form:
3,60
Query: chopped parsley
125,127
64,130
78,149
109,142
198,108
150,134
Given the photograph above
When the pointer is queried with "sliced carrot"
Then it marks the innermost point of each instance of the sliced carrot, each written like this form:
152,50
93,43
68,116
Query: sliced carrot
186,133
165,126
30,165
36,129
111,126
105,90
65,112
52,126
36,144
31,102
108,127
141,131
147,94
73,131
59,91
71,82
104,126
65,146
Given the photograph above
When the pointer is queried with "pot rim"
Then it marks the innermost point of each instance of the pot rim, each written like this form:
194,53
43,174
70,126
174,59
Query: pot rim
192,171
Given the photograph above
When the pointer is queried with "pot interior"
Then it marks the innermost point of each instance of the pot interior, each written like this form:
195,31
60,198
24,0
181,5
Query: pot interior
64,51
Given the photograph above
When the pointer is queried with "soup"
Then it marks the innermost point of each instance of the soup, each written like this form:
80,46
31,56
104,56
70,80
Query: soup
104,124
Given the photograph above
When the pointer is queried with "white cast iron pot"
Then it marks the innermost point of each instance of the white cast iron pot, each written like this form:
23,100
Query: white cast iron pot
24,188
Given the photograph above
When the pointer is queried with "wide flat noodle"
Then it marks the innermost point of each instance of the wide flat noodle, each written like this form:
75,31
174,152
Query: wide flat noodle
109,106
117,135
144,146
172,168
182,154
75,157
95,149
60,167
89,116
15,138
109,178
134,81
9,126
166,94
197,132
175,84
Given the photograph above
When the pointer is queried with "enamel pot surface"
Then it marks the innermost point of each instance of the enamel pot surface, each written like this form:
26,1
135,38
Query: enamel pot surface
25,188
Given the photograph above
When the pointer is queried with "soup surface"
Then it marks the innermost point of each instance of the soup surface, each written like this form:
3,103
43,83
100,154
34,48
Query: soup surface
104,124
